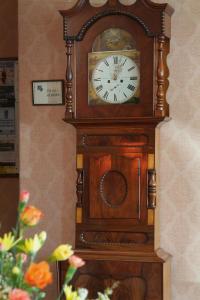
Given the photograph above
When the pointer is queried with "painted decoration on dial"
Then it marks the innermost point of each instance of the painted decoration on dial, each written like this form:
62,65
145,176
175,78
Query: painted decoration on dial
114,77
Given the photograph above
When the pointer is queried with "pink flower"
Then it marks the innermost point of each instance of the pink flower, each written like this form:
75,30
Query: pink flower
76,262
24,196
18,294
23,257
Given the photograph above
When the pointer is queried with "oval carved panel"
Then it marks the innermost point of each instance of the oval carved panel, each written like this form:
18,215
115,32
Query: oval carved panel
112,196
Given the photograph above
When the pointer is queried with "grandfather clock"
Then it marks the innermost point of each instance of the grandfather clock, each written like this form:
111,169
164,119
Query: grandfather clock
116,83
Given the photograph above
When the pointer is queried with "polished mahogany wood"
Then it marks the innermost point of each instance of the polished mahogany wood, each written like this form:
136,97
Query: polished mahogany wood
140,275
116,176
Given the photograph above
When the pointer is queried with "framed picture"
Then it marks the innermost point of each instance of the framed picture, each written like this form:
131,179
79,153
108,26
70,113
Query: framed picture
9,116
48,92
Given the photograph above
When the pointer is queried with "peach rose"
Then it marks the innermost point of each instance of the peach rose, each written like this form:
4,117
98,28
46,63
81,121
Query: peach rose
76,262
18,294
39,275
31,216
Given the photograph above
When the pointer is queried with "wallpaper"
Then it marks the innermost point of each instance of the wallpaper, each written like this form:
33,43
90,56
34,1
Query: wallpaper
180,156
47,144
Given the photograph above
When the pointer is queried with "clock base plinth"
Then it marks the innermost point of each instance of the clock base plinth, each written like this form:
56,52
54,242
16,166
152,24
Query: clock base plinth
141,275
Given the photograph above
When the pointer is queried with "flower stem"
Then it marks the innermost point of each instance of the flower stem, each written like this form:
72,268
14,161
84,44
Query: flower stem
61,294
68,277
1,262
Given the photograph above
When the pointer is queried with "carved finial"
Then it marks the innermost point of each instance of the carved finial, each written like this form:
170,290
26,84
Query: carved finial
69,79
161,109
151,188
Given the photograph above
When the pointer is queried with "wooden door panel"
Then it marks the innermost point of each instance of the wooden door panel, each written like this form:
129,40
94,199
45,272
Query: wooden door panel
115,185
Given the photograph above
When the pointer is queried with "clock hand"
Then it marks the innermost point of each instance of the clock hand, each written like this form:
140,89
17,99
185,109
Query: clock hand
114,88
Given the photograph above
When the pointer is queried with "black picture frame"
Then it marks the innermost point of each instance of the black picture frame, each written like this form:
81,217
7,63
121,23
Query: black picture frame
9,135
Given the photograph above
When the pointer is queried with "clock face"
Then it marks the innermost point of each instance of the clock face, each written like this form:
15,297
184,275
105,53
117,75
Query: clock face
115,79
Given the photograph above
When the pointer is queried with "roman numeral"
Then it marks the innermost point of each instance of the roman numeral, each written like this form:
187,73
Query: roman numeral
115,60
115,97
97,79
99,88
131,68
105,96
133,78
124,62
125,95
131,87
106,63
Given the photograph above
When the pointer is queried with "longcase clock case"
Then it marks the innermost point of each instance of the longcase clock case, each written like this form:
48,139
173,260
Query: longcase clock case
116,182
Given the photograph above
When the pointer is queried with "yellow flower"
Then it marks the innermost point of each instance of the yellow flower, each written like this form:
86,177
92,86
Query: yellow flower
7,242
33,245
42,236
16,270
62,252
70,295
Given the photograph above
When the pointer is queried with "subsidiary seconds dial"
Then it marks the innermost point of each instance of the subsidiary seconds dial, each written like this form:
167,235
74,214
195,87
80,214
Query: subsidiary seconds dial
115,79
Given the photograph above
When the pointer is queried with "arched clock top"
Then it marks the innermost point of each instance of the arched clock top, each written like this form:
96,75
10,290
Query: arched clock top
148,3
153,17
97,17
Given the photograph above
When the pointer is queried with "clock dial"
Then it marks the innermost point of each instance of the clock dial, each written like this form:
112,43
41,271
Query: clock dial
115,79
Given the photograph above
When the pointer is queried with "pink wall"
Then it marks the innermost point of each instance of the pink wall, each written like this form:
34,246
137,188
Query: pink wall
47,144
9,186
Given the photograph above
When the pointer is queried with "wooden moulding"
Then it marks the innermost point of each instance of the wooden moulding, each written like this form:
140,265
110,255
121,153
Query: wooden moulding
69,82
79,188
152,188
162,11
143,275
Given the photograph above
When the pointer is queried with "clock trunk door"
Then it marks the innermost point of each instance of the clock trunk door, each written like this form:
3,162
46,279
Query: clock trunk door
114,183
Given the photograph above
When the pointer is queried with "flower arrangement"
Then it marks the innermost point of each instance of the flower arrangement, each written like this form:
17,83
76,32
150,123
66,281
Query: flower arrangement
22,277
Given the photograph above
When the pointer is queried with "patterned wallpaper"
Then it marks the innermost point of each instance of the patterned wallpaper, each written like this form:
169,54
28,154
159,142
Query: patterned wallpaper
47,144
179,154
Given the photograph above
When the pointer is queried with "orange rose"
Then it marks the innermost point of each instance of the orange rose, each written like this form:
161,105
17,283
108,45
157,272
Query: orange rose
38,275
31,216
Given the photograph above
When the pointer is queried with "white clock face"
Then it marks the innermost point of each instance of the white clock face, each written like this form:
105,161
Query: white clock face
115,79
